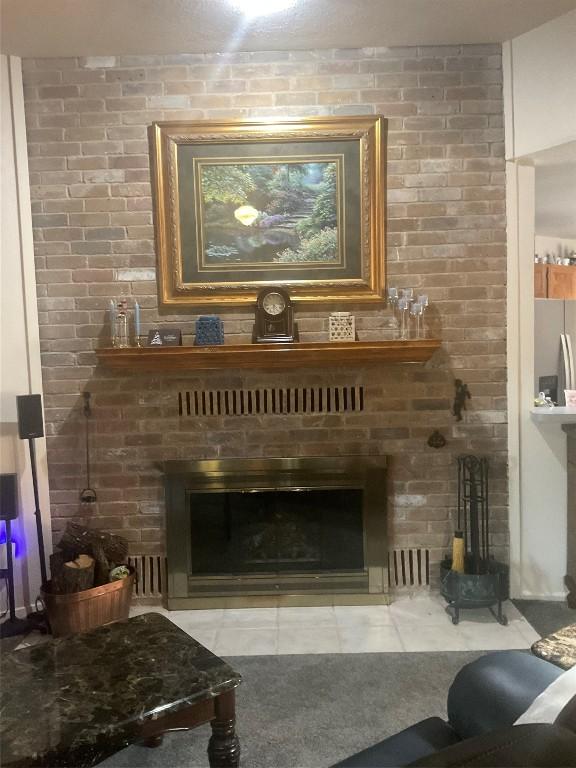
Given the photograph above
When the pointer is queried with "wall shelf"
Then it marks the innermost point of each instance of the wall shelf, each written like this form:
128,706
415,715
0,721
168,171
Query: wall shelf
554,415
235,356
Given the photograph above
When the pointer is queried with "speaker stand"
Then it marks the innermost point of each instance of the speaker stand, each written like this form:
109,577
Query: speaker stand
13,625
41,550
36,620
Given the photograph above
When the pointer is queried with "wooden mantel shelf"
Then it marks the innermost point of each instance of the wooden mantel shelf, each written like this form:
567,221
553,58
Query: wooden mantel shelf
234,356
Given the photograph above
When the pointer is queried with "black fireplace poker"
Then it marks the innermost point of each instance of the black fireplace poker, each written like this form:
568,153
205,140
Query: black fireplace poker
473,511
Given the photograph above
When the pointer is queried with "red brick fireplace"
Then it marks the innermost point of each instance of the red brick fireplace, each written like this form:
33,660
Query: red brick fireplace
89,172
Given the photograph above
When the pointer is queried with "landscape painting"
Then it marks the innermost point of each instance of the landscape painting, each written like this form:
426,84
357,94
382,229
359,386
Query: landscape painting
241,204
261,213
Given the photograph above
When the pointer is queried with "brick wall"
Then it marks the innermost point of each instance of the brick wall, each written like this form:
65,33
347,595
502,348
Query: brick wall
87,121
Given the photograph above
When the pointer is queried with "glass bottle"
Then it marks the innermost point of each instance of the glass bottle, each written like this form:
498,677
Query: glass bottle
121,338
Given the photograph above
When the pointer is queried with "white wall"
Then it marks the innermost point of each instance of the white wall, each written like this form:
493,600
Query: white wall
542,112
20,372
537,452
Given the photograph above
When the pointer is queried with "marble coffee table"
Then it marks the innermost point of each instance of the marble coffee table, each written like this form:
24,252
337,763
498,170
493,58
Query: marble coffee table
75,701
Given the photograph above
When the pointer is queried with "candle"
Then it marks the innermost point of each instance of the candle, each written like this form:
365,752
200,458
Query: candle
136,319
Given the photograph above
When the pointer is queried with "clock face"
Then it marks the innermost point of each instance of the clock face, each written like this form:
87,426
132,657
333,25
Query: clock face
273,303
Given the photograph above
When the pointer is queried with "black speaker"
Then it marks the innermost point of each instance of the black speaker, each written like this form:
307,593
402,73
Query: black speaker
30,423
8,497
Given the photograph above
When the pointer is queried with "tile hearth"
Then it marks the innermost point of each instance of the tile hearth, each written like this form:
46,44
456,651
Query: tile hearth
418,624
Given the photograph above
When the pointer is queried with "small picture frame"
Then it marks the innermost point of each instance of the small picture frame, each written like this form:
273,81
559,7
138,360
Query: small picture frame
164,337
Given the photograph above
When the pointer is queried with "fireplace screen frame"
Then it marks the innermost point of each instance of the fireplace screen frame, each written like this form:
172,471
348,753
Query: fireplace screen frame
365,473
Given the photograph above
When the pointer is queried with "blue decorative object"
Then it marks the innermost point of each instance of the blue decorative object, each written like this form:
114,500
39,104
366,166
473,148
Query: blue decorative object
209,331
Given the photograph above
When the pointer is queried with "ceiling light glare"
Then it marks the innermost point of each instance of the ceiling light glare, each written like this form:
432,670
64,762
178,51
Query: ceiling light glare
261,7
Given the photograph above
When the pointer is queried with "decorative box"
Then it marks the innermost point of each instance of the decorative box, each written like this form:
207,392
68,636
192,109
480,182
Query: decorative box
342,326
209,331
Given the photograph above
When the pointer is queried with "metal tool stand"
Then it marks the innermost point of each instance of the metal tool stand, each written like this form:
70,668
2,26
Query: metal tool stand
484,583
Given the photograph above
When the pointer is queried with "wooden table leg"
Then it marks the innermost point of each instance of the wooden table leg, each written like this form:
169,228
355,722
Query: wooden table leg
153,741
224,746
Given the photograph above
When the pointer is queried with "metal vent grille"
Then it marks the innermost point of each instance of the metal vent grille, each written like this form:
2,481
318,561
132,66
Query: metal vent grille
150,574
257,402
409,568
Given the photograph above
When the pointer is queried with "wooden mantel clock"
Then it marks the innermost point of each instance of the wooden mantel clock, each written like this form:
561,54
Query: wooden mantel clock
274,321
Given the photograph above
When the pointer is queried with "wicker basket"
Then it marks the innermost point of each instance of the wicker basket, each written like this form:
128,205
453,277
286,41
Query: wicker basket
81,611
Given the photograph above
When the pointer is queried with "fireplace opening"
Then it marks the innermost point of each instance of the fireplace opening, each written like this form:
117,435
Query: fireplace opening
294,531
244,532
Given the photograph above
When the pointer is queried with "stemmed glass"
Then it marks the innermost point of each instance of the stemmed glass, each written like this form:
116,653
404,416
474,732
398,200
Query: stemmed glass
403,308
424,303
417,312
407,293
393,298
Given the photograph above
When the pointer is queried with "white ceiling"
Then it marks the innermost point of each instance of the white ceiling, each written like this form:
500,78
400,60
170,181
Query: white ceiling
108,27
556,191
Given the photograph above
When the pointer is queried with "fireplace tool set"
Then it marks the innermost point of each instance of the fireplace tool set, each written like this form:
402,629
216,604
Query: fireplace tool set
472,578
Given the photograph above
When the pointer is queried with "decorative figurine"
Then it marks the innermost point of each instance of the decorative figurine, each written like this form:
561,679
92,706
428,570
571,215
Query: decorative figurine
274,320
461,395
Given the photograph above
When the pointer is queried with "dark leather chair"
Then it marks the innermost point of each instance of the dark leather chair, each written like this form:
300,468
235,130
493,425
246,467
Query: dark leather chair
485,699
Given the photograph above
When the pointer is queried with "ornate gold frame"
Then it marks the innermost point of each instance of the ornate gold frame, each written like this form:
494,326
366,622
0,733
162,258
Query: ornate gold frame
165,139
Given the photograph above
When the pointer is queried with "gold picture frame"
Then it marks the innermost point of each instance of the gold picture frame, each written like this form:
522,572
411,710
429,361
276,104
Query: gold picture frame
243,204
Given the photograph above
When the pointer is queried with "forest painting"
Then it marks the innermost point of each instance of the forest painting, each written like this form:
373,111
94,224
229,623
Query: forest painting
257,213
297,202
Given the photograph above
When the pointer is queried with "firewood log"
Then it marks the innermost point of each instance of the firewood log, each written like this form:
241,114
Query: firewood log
103,566
82,539
57,560
78,574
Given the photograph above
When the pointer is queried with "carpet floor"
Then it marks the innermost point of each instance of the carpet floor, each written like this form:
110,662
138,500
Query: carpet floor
310,711
546,616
